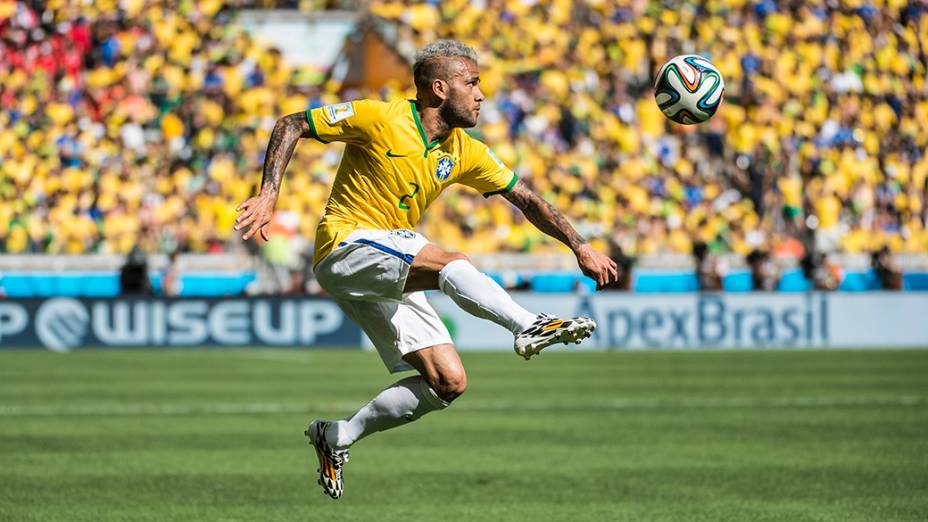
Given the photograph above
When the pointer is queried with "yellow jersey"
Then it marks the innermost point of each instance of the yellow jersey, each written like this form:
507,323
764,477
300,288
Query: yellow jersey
389,174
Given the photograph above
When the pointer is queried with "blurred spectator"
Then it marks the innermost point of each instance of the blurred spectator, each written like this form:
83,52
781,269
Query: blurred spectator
625,265
171,284
821,271
888,274
765,276
133,276
297,283
709,269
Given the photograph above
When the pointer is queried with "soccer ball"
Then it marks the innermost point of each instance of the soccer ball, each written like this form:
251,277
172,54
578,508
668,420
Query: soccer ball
688,89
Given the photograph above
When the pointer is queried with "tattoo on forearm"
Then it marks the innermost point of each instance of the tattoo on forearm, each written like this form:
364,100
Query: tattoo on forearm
286,133
543,215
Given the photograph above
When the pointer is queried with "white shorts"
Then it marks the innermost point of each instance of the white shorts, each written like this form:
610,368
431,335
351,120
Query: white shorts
365,274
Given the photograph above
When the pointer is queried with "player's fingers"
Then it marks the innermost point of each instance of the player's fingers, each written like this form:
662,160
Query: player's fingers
264,233
613,271
250,217
244,214
609,276
245,205
251,232
245,222
242,224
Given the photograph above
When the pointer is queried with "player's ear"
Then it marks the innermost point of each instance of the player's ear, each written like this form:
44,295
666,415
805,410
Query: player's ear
440,88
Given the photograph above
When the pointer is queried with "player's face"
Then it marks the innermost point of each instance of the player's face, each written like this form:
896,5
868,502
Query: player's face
462,106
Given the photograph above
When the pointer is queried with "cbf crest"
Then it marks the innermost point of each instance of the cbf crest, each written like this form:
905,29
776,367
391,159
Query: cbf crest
445,166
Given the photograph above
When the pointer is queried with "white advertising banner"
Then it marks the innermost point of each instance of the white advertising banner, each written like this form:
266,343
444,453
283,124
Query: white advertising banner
717,320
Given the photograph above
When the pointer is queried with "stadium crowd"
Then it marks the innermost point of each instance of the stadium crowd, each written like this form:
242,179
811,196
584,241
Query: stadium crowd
144,122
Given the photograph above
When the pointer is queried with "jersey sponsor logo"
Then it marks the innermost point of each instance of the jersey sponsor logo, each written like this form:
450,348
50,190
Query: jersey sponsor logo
338,112
391,154
445,165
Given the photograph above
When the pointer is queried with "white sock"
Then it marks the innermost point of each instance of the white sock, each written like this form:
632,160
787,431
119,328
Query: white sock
480,296
403,402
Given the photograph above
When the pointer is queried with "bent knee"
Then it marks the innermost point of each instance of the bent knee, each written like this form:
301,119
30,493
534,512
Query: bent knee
455,256
433,259
450,385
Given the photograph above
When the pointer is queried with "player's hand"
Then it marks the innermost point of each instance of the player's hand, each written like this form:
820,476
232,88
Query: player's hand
597,266
256,213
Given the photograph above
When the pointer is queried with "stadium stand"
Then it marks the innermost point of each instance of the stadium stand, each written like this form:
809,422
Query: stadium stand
800,147
142,123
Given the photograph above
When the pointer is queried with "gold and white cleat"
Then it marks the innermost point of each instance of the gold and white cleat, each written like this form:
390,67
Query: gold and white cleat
548,330
331,461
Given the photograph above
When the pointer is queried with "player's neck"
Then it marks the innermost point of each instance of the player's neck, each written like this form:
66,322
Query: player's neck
433,125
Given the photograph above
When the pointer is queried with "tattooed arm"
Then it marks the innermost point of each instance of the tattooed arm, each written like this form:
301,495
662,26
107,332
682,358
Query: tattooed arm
257,212
543,215
550,221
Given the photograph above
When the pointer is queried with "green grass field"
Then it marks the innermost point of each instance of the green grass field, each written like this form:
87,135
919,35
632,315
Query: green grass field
217,435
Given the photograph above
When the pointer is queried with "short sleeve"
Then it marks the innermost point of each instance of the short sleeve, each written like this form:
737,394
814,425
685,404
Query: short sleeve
349,122
485,172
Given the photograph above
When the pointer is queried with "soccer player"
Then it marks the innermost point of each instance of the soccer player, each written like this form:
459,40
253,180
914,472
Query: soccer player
398,158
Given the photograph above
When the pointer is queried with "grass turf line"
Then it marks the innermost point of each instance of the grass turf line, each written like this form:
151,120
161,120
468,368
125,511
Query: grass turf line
777,435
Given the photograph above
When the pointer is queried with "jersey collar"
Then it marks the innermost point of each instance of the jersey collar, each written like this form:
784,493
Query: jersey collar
428,146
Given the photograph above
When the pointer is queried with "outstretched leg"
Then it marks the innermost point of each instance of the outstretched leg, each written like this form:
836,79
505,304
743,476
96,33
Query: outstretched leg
480,296
473,291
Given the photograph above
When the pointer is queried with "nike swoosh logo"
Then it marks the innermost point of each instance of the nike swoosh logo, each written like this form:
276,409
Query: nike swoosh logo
391,155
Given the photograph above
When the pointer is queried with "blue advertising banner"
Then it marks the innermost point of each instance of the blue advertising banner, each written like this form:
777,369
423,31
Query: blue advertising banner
63,324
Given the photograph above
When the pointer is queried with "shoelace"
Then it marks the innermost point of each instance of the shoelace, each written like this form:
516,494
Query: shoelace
544,319
338,458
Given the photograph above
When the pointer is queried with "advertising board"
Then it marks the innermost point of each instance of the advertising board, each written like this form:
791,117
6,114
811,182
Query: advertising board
66,323
718,320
